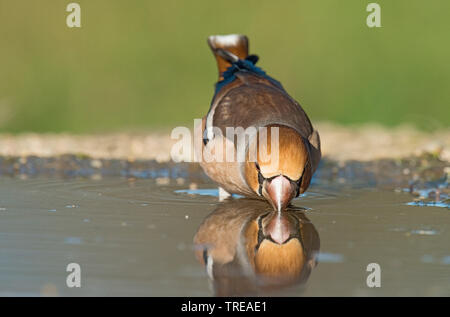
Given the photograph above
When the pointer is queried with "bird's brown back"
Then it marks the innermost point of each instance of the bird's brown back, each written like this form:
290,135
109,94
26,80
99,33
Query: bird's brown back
252,100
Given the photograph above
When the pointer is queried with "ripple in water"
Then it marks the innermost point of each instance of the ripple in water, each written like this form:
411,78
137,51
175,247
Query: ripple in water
429,204
435,197
425,232
429,259
325,257
204,192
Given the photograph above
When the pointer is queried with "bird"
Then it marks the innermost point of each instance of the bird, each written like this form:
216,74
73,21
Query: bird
248,248
247,97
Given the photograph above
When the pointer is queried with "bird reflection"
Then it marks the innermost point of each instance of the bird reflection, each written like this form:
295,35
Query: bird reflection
249,249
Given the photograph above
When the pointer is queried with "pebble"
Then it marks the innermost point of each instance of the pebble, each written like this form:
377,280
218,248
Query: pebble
96,163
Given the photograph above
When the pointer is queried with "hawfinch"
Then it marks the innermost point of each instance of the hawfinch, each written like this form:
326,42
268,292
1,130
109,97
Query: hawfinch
247,247
280,149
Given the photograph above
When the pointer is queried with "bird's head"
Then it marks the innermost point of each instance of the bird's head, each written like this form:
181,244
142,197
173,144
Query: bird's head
275,246
282,169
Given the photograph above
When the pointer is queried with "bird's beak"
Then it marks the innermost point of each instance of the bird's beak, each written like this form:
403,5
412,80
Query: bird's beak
279,191
279,227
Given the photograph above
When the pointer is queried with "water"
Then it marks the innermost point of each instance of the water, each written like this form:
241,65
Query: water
135,237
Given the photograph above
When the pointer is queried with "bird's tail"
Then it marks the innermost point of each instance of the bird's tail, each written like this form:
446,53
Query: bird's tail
228,49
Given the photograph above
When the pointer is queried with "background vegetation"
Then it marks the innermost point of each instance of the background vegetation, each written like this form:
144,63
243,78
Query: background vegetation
145,64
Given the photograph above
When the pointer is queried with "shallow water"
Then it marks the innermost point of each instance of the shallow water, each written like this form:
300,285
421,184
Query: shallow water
135,237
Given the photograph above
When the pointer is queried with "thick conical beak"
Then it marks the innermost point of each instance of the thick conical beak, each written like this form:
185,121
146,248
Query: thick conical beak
279,191
279,227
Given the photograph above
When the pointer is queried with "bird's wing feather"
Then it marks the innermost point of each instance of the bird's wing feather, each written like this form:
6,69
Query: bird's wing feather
252,100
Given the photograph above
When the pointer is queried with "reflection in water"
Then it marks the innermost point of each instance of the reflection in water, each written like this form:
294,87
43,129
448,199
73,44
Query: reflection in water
249,249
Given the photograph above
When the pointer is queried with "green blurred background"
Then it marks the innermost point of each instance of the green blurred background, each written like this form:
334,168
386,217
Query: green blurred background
145,64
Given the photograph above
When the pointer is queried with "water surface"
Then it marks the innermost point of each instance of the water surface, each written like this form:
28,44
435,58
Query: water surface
134,237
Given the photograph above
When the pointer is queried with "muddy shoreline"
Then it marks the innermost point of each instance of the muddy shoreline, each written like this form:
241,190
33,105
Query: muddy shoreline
426,177
358,143
368,156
